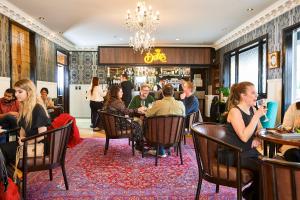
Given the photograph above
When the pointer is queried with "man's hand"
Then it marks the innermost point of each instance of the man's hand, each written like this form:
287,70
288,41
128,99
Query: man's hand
15,114
182,96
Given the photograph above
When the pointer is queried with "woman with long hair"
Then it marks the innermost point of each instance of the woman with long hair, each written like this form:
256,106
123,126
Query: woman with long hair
33,117
115,105
95,94
242,124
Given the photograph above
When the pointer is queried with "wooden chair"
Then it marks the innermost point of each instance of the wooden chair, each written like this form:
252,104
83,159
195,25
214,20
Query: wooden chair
164,131
189,121
55,142
208,141
280,179
116,127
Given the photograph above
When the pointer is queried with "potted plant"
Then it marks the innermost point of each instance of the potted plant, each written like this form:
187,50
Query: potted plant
224,93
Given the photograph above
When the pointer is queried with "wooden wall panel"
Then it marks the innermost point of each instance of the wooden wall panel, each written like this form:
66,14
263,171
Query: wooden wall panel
175,56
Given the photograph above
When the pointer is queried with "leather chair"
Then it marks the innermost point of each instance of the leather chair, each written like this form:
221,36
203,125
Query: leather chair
56,141
213,165
280,179
189,121
164,131
116,127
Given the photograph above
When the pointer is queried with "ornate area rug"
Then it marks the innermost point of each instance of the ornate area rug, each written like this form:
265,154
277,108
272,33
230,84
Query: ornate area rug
120,176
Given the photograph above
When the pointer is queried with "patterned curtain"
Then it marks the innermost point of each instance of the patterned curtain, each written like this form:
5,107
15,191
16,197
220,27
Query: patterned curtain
45,59
4,47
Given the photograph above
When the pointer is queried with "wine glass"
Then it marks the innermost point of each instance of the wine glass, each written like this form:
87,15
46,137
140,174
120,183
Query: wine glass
262,103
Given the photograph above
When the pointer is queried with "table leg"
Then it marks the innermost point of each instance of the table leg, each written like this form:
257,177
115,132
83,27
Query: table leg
265,144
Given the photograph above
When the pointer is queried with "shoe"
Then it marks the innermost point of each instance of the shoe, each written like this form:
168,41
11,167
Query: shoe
163,156
96,129
91,126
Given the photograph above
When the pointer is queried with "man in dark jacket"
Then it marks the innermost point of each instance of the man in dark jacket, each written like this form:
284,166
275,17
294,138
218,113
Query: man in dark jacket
127,87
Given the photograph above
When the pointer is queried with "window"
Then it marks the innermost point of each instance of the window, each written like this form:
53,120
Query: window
61,64
296,66
249,63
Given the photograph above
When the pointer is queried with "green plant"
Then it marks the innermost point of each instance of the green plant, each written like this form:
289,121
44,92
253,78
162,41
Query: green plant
225,91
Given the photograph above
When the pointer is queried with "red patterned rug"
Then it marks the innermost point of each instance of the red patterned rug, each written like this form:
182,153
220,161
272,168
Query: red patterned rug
120,176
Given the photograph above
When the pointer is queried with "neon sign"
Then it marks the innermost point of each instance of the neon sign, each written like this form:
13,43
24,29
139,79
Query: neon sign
156,56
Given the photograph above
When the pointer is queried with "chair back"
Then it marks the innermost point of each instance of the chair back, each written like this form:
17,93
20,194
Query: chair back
164,130
280,179
193,118
55,145
208,141
116,126
272,107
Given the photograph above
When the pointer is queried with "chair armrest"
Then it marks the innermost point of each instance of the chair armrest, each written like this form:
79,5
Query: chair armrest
14,131
280,162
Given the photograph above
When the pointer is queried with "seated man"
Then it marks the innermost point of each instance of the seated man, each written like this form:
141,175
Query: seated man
190,101
167,106
144,99
9,111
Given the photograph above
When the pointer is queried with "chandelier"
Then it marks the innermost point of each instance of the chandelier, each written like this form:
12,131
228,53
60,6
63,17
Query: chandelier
141,41
142,22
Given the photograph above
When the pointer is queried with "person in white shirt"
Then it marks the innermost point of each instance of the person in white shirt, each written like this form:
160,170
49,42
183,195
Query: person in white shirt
291,120
95,95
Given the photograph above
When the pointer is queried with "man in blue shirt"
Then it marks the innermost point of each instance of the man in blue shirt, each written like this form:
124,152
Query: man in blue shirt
190,101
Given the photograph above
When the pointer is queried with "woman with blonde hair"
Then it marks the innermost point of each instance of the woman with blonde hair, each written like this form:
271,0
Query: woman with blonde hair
242,124
33,117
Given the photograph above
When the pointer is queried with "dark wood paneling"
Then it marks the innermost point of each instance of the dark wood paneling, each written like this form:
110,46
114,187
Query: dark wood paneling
175,56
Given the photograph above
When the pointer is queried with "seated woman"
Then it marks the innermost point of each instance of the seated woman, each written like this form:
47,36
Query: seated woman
46,100
33,117
241,126
291,120
115,105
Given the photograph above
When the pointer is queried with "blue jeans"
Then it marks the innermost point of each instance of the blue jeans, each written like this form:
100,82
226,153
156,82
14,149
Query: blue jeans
2,139
161,150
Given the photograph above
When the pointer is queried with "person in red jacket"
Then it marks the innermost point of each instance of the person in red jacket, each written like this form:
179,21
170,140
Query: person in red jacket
9,110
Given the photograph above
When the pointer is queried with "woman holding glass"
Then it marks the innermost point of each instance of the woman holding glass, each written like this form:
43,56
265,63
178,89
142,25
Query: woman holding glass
242,124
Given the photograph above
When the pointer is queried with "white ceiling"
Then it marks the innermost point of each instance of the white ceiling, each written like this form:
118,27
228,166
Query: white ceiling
99,22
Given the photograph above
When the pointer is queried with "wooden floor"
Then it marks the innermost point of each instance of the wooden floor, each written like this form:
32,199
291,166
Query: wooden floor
86,131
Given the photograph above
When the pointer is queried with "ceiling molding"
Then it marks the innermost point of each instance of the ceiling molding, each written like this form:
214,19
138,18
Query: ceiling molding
273,11
262,18
93,48
16,14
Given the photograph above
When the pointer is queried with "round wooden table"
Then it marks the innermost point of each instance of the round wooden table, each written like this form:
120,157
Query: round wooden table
272,141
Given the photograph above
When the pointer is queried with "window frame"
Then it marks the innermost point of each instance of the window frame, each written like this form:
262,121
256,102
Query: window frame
287,65
259,42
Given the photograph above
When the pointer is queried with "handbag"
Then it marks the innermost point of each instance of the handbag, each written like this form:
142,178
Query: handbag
32,151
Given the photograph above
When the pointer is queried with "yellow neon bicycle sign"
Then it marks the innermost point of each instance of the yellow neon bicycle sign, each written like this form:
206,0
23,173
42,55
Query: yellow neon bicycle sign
156,56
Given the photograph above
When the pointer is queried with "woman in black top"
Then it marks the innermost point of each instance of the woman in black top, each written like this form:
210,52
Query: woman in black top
33,117
242,124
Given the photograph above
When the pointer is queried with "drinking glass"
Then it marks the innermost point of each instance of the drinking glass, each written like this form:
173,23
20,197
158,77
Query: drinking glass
262,103
143,103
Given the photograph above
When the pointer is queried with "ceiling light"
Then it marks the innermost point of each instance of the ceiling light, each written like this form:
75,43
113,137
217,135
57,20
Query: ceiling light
177,39
250,9
142,22
42,18
60,32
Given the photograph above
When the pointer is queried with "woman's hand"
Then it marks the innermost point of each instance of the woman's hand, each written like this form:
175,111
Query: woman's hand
19,141
261,111
255,143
